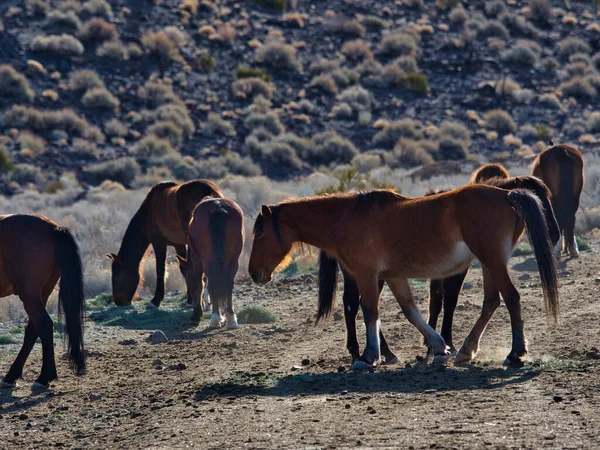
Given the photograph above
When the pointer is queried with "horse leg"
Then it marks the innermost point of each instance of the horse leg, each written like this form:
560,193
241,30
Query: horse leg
569,237
181,251
216,319
351,300
401,290
230,316
160,252
436,300
452,287
195,286
491,301
16,370
369,294
205,295
389,356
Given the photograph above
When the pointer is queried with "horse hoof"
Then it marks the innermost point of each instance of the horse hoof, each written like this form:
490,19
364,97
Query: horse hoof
514,364
215,321
391,361
5,385
150,306
37,386
361,365
462,358
232,325
442,358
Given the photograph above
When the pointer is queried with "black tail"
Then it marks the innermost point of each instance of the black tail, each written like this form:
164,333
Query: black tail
530,210
566,185
71,298
217,272
328,281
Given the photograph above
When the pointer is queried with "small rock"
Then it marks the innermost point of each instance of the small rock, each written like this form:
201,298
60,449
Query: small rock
29,425
157,362
597,280
128,342
341,369
344,392
347,406
419,358
46,429
337,316
158,337
305,362
178,366
295,368
524,277
23,416
95,396
181,366
592,355
564,273
557,398
371,410
467,285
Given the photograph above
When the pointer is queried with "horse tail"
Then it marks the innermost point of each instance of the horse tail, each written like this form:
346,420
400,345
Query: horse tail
71,298
566,186
328,281
529,208
217,272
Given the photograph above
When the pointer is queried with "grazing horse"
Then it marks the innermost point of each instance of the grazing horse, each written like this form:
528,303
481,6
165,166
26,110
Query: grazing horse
215,242
381,235
443,291
34,253
161,220
561,168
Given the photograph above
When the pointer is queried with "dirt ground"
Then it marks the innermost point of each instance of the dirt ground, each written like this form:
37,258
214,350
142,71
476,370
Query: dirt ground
288,384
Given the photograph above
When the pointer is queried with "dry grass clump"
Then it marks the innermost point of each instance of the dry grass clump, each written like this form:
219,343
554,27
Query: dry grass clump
268,121
324,82
98,30
83,80
31,144
329,147
278,55
520,55
99,8
403,128
156,93
122,170
85,149
166,129
409,153
251,72
217,125
100,98
115,128
115,50
6,163
176,113
66,19
398,43
375,22
163,47
248,88
64,45
343,25
14,85
204,61
549,101
69,5
579,88
357,50
541,11
44,120
37,7
500,121
152,148
358,98
458,16
570,46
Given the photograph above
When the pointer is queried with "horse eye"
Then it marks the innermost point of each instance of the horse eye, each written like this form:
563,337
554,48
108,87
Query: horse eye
258,234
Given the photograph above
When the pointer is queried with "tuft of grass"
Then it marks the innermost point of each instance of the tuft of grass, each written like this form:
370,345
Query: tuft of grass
8,338
279,56
98,30
414,82
14,85
250,72
64,45
582,244
256,314
100,98
278,5
522,250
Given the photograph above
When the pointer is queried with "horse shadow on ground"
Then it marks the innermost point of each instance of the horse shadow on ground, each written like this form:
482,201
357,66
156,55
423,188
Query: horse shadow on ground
530,265
10,403
421,378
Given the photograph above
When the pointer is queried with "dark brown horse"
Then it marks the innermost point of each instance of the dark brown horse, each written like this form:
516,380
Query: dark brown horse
380,235
561,168
161,220
215,242
441,291
34,253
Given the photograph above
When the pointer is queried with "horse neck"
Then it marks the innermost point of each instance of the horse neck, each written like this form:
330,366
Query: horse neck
135,242
314,221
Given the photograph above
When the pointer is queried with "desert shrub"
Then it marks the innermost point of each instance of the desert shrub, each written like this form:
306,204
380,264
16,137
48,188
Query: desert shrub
67,19
409,154
115,128
166,129
389,135
365,162
14,86
493,29
268,121
518,25
44,121
397,44
37,7
357,97
325,83
162,47
345,76
550,101
407,63
342,110
31,143
6,163
342,25
451,150
217,125
414,82
593,122
541,11
226,34
575,128
69,5
279,56
122,170
506,86
64,45
256,314
204,61
596,61
100,98
528,134
548,64
495,8
113,50
250,72
178,114
357,50
155,93
134,51
98,30
457,132
85,149
375,22
294,19
248,88
458,16
579,88
100,8
83,80
190,6
25,173
520,55
152,148
282,154
572,45
323,65
329,147
500,121
279,5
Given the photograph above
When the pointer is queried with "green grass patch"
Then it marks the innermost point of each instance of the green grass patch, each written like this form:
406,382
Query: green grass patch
99,302
256,314
418,283
250,72
414,82
522,250
7,338
582,244
279,5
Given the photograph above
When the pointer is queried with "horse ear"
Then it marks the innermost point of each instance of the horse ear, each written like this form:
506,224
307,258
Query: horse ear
181,260
113,257
265,211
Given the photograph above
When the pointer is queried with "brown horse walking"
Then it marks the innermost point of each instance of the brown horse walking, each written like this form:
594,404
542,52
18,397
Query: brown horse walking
215,242
561,168
34,253
441,291
161,220
381,235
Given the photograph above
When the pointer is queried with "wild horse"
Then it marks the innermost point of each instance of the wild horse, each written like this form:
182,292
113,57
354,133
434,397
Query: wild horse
215,242
381,235
161,220
34,253
561,168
